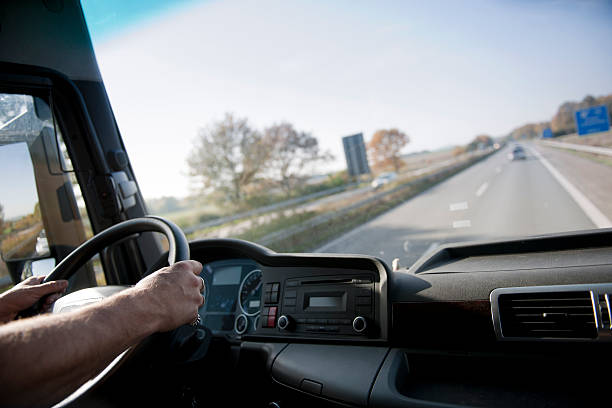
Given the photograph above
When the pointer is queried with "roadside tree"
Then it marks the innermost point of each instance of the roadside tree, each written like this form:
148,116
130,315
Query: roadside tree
228,157
291,154
385,147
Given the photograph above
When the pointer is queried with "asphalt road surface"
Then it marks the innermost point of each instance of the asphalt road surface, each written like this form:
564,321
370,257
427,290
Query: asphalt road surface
496,198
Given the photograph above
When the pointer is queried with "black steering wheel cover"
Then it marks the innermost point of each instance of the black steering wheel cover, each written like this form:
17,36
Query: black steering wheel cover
177,243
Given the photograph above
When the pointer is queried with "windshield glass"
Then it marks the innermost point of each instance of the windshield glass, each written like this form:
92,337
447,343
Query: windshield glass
379,128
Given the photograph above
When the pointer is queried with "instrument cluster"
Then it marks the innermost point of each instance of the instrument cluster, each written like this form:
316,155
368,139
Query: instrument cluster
233,295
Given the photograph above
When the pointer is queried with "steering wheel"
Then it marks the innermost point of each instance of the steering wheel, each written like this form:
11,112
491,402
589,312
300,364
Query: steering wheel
178,251
177,243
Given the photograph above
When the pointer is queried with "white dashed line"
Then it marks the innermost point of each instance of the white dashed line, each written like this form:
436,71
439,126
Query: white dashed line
596,216
462,224
463,205
406,246
482,189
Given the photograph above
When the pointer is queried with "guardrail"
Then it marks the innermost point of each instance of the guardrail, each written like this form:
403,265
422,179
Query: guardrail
581,148
267,208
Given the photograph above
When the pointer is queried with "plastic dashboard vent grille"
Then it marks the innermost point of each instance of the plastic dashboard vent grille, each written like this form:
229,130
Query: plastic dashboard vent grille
562,315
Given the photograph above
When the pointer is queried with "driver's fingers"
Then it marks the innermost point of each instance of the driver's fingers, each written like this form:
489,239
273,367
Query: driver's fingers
52,298
49,287
193,266
33,280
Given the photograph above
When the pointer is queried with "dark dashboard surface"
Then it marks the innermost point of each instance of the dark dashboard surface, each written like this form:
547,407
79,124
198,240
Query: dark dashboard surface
455,301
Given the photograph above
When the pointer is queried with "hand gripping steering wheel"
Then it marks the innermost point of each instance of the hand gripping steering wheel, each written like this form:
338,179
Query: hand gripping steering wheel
178,251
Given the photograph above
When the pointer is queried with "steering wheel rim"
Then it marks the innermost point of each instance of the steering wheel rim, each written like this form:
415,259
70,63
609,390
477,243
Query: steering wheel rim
178,251
178,247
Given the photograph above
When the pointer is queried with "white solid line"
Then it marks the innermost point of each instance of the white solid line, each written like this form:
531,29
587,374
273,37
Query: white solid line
482,189
462,205
462,224
596,216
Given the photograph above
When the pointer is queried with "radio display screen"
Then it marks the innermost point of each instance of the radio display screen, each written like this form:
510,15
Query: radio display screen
325,302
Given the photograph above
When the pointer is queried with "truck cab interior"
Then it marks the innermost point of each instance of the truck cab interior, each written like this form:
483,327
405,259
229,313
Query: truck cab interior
514,322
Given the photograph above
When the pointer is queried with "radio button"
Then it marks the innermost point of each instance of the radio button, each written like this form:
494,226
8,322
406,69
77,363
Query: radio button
274,297
290,294
290,302
364,300
363,310
363,292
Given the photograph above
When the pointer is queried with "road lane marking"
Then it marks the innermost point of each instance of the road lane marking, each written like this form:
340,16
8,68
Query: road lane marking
482,189
462,205
406,246
594,214
462,224
498,169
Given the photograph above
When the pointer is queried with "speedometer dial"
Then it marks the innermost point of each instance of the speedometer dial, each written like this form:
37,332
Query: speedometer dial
250,293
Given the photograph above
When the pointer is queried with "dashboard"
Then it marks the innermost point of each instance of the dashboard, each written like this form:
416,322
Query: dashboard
252,292
530,311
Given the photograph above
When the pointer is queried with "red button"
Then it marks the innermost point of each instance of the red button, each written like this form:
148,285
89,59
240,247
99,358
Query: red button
271,321
272,311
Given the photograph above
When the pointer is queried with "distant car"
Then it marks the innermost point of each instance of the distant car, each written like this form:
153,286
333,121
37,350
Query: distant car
383,179
518,153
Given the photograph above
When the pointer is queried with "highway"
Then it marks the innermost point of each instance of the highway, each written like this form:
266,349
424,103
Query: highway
496,198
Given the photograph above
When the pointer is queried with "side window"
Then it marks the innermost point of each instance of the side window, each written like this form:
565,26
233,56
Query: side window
42,212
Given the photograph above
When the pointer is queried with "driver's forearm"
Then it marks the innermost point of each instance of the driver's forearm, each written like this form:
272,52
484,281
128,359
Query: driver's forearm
44,358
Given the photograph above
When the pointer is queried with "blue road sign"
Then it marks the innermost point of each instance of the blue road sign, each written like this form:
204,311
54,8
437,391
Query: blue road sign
547,133
592,120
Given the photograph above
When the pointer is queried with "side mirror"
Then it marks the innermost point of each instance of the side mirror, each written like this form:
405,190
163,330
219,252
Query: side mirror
37,267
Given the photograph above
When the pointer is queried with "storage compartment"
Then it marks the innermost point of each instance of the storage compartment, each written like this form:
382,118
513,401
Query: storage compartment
420,380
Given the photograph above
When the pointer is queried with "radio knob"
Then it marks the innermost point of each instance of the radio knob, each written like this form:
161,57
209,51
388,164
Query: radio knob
284,322
360,324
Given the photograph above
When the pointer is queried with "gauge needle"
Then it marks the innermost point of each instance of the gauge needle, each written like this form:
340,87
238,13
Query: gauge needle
256,289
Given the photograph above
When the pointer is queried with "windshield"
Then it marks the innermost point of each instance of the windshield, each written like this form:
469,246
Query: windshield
379,128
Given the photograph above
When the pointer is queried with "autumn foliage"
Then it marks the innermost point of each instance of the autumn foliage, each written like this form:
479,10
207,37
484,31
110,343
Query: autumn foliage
385,148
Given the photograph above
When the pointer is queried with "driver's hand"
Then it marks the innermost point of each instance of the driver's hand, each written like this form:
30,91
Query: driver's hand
26,293
174,294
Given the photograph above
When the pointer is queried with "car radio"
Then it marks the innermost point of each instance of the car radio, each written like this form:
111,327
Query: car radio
322,304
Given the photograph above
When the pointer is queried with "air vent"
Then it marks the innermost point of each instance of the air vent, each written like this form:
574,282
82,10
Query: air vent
553,315
604,310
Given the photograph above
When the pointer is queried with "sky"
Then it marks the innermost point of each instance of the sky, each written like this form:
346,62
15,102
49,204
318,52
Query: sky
16,163
441,71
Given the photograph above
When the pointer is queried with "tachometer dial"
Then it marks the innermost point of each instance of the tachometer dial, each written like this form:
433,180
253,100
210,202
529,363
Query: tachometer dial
250,293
